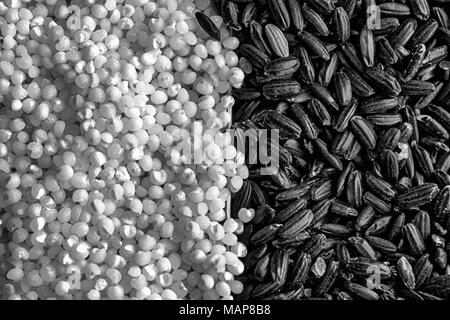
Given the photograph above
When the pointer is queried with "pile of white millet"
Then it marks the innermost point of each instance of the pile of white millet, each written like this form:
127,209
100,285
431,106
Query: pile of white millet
98,200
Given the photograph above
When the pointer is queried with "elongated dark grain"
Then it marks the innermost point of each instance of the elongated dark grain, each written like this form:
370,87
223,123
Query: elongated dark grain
363,116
